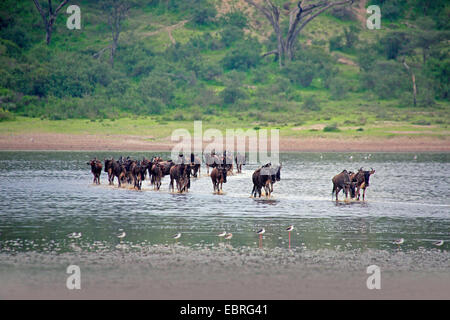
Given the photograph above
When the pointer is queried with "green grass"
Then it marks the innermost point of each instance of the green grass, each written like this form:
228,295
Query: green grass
154,128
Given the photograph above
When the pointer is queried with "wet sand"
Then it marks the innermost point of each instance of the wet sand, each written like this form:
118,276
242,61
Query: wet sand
87,142
224,272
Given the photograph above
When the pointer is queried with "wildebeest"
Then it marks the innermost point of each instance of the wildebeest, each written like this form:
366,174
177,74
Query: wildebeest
240,161
262,178
138,171
155,174
361,181
211,160
119,171
109,170
96,169
275,175
179,173
195,165
341,181
218,178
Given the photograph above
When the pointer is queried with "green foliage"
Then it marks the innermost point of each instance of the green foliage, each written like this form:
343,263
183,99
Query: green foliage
244,57
212,64
311,63
331,128
204,12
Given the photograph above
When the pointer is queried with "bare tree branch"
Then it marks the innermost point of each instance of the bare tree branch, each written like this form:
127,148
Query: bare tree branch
49,17
299,17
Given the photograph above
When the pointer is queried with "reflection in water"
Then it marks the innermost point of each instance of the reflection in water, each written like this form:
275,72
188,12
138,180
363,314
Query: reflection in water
47,195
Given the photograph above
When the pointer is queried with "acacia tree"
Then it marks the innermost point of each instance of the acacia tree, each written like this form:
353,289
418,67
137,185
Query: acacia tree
299,17
49,16
116,11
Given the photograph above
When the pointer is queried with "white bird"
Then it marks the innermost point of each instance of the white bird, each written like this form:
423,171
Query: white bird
290,228
439,243
228,236
177,236
222,234
121,235
415,157
261,231
351,157
399,241
74,235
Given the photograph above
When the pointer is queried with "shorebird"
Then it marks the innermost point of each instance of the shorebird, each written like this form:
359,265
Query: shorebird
222,234
177,236
74,235
415,157
399,241
228,236
289,229
121,235
439,243
260,232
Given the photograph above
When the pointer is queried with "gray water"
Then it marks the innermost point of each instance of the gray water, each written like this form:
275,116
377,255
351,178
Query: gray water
47,195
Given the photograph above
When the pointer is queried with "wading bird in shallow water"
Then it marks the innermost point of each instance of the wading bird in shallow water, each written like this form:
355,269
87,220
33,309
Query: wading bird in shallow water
228,236
222,234
121,235
177,236
399,241
289,229
260,232
74,235
439,243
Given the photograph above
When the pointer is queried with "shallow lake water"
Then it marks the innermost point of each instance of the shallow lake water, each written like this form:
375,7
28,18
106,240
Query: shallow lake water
47,195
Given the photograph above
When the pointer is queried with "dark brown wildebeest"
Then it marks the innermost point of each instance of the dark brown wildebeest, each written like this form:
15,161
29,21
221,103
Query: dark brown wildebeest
163,170
275,175
119,171
138,171
341,181
96,169
109,170
156,175
195,165
262,178
179,174
240,161
227,161
361,181
218,178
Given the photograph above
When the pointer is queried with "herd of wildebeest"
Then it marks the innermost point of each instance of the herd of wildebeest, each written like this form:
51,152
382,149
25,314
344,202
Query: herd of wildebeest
134,172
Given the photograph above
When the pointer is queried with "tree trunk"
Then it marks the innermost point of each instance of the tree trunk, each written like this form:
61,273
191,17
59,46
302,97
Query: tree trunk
49,17
413,80
299,17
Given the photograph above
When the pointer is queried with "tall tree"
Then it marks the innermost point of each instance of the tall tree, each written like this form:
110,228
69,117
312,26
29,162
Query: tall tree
49,16
116,11
299,17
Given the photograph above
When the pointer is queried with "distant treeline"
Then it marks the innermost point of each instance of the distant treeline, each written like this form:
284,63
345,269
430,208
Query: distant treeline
219,66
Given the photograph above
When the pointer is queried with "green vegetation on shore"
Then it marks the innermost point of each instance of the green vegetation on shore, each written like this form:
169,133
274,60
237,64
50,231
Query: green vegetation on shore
180,61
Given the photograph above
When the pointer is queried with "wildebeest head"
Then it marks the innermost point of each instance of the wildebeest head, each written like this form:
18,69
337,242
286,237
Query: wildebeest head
367,175
278,174
223,170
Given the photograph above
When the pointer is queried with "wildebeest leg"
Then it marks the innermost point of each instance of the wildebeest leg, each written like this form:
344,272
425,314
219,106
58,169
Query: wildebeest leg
338,189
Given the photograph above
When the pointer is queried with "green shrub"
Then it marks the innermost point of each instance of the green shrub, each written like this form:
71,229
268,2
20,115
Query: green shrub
331,128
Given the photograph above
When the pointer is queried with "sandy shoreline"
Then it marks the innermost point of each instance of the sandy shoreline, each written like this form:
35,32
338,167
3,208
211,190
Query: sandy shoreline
166,272
88,142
